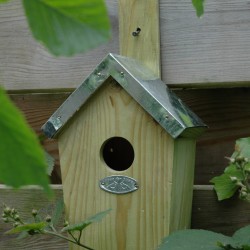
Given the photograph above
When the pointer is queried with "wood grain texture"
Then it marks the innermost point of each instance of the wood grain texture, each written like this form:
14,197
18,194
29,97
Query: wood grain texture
225,111
212,51
37,108
182,184
25,64
223,217
25,200
138,220
145,47
207,213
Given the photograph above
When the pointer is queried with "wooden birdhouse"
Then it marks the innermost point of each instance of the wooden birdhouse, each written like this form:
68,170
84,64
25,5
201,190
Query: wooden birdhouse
126,142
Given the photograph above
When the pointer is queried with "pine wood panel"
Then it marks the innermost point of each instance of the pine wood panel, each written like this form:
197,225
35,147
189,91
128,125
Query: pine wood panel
146,46
225,111
212,51
207,213
138,220
182,184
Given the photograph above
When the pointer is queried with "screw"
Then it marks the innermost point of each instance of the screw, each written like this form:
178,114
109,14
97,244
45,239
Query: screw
137,32
122,74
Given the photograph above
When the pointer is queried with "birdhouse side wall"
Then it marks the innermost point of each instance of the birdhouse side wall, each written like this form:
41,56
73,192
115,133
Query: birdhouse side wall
182,186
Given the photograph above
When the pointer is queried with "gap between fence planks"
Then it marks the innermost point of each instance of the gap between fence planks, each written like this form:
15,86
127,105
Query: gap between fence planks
207,213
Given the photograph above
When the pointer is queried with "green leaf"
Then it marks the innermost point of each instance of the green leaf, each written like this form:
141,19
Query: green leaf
242,146
68,27
224,186
242,237
58,212
194,240
27,227
22,160
4,1
80,226
199,7
233,171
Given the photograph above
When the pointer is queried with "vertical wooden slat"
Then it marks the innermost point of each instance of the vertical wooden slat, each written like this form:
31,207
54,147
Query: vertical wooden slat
145,47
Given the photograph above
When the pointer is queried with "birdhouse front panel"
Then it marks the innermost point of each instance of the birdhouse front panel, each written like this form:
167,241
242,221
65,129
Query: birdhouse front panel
113,136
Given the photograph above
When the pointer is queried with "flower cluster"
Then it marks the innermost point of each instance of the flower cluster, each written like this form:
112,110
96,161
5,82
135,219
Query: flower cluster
11,215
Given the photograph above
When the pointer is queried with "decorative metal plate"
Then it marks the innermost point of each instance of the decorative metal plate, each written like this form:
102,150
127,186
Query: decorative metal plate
118,184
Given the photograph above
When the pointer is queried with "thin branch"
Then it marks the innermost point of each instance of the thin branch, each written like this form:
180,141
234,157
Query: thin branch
65,238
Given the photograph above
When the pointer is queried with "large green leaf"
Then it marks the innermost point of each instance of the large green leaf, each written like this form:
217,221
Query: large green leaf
241,237
199,7
22,160
194,240
80,226
68,27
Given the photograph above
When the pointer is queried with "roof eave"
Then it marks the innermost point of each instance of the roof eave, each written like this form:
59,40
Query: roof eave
149,91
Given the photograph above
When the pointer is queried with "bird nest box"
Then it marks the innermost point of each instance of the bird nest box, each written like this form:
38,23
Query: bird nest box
126,142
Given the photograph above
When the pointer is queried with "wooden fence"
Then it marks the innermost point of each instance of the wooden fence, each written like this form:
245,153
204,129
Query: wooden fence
197,54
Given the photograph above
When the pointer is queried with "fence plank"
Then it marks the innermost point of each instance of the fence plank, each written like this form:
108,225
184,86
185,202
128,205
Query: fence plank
224,217
25,200
212,51
225,111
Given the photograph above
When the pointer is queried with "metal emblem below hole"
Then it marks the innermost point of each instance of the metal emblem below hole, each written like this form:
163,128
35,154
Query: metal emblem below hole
118,184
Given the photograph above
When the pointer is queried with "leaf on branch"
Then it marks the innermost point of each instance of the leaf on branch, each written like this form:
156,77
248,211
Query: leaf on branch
199,7
242,146
194,240
68,27
58,212
80,226
22,160
27,227
224,186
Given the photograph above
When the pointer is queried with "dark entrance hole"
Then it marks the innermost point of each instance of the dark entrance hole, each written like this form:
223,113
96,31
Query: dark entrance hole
118,153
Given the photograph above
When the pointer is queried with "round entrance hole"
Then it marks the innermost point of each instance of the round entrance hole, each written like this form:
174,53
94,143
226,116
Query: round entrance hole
117,153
